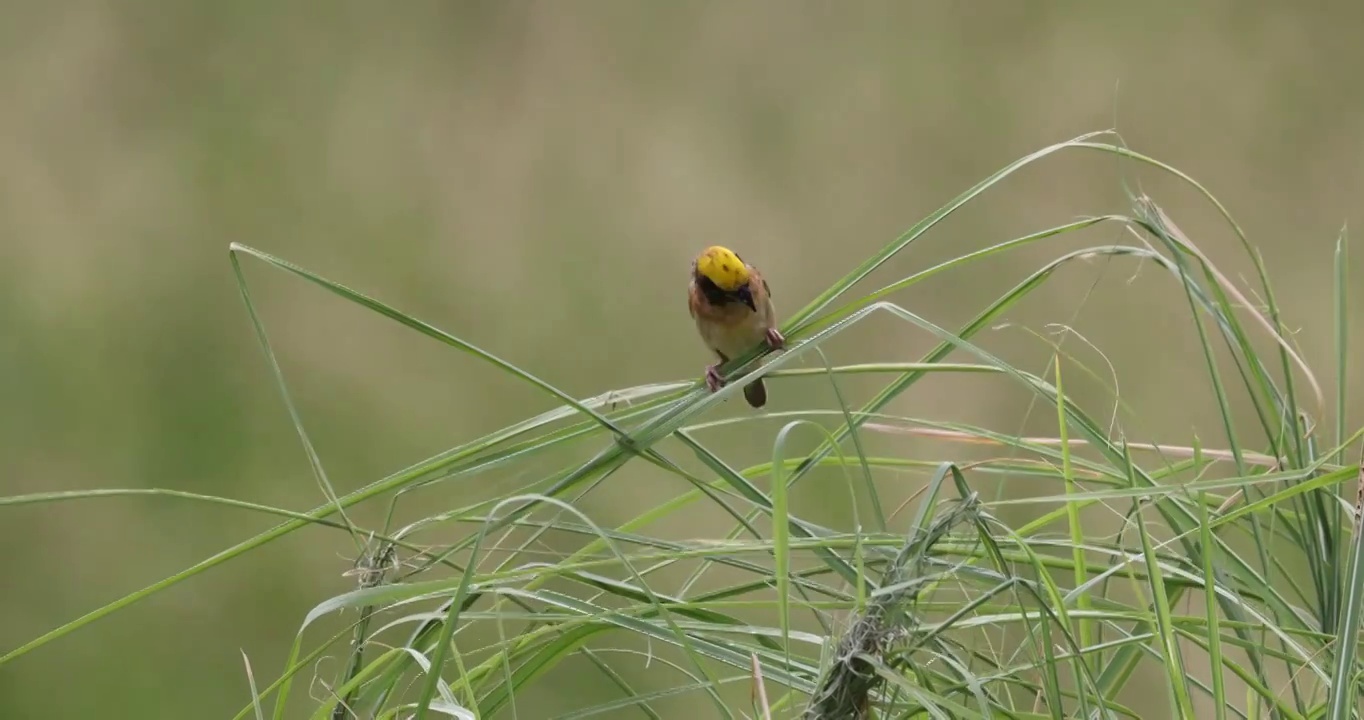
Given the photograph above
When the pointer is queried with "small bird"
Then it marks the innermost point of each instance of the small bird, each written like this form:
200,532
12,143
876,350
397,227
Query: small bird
732,306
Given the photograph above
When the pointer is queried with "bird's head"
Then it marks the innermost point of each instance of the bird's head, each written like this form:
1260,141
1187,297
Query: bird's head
721,266
723,277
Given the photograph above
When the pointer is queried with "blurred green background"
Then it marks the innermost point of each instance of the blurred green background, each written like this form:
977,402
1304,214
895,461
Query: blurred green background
535,177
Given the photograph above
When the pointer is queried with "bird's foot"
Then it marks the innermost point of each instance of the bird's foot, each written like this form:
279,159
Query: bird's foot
775,339
713,380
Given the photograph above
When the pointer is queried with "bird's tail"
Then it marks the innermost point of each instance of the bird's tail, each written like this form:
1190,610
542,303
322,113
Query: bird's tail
756,393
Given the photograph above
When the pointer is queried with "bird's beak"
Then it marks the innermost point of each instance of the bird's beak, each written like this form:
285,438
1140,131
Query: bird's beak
746,297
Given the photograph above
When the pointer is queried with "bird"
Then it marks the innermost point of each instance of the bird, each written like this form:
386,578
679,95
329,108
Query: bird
732,306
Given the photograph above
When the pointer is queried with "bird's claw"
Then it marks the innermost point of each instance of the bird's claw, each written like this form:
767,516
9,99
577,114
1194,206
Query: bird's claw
713,380
775,340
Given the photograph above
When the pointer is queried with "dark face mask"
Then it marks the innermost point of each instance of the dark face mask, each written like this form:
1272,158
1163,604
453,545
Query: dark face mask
746,297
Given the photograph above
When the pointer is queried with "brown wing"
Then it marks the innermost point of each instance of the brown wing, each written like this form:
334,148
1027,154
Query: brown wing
762,297
753,272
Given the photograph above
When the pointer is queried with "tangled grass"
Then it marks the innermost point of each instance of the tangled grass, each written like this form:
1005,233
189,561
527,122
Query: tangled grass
1232,589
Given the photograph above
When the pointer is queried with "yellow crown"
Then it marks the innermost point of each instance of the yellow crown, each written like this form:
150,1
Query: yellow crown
723,267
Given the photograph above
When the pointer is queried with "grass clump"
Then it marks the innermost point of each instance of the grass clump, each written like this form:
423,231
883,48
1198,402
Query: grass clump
1224,590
